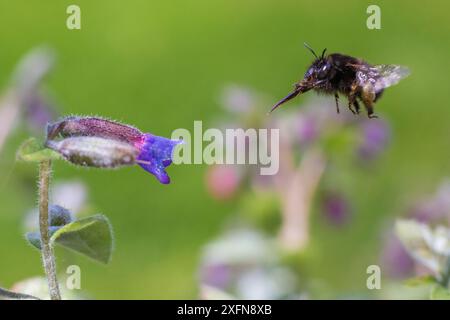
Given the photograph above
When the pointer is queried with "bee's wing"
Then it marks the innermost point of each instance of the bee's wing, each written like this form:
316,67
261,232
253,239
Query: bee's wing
381,76
389,75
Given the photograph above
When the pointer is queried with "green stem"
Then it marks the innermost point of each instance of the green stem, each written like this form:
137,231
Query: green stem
48,257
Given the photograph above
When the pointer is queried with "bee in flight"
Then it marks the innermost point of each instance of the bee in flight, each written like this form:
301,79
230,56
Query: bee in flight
356,79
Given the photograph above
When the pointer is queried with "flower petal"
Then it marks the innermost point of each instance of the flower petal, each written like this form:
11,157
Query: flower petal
156,154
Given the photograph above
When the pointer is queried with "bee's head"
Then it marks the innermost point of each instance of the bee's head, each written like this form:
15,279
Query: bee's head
319,71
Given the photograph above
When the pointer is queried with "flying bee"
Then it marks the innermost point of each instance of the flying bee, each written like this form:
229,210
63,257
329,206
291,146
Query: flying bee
356,79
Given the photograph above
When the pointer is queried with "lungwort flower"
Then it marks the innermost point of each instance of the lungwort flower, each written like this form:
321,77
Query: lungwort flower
101,143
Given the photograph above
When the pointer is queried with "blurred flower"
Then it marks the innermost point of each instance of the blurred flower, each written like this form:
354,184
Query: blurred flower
215,275
296,187
38,112
238,99
266,283
308,130
38,287
240,247
9,115
430,210
430,247
309,135
375,139
71,194
246,265
314,119
26,82
223,181
22,95
336,208
435,208
395,260
32,69
102,143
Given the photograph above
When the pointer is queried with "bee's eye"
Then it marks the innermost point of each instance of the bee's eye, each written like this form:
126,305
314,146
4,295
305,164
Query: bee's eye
309,73
323,71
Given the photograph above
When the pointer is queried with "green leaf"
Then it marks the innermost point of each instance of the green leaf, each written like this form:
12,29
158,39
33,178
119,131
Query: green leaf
439,293
33,151
90,236
34,238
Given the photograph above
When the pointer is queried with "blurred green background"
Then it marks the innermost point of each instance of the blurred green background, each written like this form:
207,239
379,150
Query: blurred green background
160,65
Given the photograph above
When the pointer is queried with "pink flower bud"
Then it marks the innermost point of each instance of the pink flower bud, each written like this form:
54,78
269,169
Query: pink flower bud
97,142
222,181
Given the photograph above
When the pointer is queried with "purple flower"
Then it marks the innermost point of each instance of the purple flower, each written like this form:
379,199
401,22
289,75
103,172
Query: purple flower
238,99
308,130
375,139
435,208
395,259
216,275
155,154
336,209
38,112
101,143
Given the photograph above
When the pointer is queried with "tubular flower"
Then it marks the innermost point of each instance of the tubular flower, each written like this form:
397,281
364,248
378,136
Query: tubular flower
101,143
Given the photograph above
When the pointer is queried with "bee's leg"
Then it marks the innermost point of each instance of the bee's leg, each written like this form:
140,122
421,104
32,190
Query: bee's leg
336,97
351,102
352,99
356,105
368,97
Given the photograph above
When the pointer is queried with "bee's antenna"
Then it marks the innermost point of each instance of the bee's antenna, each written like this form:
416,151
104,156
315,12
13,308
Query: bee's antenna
323,52
310,49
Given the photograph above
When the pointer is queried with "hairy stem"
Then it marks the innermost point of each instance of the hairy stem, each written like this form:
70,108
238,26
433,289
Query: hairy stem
48,257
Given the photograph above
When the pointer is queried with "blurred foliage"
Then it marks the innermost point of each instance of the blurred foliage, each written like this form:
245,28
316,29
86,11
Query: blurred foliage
33,151
161,65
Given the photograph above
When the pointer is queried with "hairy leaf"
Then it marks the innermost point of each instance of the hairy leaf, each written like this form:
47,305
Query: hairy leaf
90,236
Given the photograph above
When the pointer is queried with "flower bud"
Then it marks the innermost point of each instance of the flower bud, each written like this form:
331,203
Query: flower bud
95,152
93,127
58,216
98,142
